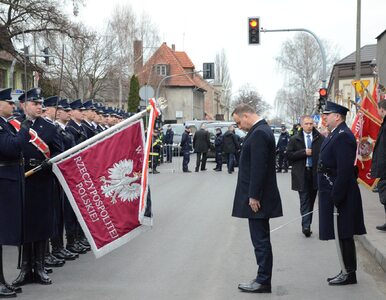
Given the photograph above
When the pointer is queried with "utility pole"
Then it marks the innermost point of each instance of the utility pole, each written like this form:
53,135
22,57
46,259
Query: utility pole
358,43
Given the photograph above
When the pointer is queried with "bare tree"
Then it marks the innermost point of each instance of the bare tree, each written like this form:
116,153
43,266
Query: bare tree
222,76
18,17
301,59
247,94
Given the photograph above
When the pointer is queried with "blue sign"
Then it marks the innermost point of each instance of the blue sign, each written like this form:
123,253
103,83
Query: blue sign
316,118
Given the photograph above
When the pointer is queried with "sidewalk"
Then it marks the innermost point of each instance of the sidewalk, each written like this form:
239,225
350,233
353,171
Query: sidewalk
374,241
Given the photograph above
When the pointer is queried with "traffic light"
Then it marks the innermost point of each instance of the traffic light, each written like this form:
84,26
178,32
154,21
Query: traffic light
254,31
46,55
322,97
208,71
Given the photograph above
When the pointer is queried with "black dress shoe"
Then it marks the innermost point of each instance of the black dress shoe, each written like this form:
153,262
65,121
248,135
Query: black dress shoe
203,169
187,171
52,261
16,289
344,279
25,276
6,292
331,278
74,248
307,232
382,227
64,254
254,287
48,270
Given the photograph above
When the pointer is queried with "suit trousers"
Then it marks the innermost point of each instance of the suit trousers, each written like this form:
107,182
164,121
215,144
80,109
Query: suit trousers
307,199
185,160
201,161
261,241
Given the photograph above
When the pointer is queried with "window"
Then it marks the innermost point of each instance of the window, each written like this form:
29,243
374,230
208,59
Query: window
3,78
162,70
29,82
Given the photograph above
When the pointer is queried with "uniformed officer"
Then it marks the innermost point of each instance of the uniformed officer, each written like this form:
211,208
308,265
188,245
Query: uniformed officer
155,151
75,128
39,206
11,181
186,147
337,182
88,117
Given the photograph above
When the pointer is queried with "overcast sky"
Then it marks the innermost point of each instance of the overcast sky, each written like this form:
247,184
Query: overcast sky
202,28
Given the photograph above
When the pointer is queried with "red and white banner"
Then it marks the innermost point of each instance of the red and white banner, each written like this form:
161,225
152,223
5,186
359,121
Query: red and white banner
107,187
365,129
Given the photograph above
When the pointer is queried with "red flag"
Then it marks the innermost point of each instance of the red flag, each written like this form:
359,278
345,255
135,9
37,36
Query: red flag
103,183
365,128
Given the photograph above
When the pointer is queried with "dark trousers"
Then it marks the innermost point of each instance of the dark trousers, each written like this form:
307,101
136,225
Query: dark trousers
230,161
201,161
307,199
154,162
185,160
218,160
260,236
169,152
347,246
70,221
283,162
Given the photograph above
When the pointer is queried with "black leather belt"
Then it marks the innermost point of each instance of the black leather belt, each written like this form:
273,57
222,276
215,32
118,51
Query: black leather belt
7,163
34,162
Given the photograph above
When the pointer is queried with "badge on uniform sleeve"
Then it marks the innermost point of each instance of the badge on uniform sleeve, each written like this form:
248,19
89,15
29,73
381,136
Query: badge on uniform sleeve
341,131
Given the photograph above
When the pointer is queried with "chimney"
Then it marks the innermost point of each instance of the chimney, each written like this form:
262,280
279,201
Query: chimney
138,56
174,48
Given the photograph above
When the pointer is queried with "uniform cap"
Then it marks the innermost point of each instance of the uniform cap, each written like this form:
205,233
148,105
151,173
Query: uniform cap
51,101
332,107
5,95
32,95
77,104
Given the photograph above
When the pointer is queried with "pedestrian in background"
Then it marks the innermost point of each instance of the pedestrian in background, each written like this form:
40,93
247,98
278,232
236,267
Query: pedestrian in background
218,145
201,144
281,149
378,165
257,196
186,147
230,147
338,186
303,153
168,142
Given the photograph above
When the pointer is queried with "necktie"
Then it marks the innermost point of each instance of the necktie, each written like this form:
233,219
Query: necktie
309,158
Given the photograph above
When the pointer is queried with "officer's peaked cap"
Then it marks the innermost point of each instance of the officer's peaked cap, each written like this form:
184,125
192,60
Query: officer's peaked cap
89,104
32,95
77,104
5,95
332,107
52,101
64,104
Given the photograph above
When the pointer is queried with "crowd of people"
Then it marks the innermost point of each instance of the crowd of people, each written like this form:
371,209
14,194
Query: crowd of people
39,213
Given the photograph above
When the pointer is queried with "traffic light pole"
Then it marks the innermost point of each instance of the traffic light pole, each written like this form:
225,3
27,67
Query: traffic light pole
324,71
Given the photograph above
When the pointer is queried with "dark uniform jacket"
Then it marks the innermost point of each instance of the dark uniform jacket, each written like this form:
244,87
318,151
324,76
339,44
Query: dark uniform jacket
282,142
39,188
11,183
229,142
296,153
257,175
337,183
168,137
186,142
378,164
201,141
218,142
88,129
77,131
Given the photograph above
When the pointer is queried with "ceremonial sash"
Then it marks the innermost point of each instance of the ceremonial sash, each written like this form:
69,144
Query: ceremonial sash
35,139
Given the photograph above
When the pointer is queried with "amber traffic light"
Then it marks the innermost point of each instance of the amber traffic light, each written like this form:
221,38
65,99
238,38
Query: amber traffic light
253,31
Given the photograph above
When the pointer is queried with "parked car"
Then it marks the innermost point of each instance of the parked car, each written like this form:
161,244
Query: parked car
178,130
196,124
211,127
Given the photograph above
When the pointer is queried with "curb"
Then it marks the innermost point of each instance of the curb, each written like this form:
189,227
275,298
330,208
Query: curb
379,256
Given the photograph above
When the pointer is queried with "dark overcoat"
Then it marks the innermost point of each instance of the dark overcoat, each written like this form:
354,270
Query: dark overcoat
337,154
257,175
378,163
186,142
39,217
229,142
296,153
201,141
77,131
11,183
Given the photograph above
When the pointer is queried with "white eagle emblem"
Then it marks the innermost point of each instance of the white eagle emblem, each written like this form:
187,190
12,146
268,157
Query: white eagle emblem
120,184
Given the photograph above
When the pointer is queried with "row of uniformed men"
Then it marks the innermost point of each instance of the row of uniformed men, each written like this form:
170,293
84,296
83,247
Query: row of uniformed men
35,210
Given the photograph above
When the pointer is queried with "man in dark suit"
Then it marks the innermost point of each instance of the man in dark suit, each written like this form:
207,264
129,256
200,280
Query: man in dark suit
257,196
11,183
168,142
39,205
337,183
303,152
201,144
